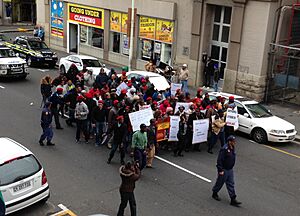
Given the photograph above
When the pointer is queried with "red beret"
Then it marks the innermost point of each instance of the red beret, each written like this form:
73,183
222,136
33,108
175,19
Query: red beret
115,102
129,84
199,90
231,98
143,81
120,117
88,95
80,97
59,90
155,102
123,91
149,98
100,102
123,73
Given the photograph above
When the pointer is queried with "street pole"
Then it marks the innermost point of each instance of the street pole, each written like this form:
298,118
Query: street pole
131,35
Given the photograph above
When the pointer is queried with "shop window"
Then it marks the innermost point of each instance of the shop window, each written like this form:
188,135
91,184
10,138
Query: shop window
95,37
115,42
83,34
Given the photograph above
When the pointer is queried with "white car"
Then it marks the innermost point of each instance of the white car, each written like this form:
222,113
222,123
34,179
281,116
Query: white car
91,63
23,181
160,82
259,122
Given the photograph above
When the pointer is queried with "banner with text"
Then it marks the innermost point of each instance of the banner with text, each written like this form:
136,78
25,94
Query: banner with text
115,21
89,16
174,128
147,27
175,87
232,118
124,23
200,130
140,117
164,31
57,18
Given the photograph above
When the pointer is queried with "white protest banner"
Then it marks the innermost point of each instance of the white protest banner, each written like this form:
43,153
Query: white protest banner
174,128
174,87
232,118
200,130
140,117
121,87
186,106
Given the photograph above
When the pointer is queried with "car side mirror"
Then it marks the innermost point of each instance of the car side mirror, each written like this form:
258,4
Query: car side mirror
246,115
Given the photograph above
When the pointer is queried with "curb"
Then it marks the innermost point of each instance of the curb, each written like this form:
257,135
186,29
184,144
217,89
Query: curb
16,30
297,138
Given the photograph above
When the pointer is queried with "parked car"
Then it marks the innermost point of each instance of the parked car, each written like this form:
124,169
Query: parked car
91,63
23,180
160,82
259,122
34,51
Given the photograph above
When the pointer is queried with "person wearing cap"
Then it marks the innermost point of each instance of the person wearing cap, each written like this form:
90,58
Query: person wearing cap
56,100
98,121
112,114
81,115
101,78
184,76
119,129
151,137
139,145
217,131
225,164
129,173
46,120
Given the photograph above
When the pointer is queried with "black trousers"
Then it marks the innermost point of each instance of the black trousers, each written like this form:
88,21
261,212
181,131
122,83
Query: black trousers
56,117
125,197
180,145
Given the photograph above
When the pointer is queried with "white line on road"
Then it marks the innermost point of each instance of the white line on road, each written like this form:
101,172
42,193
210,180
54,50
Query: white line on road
183,169
2,87
62,207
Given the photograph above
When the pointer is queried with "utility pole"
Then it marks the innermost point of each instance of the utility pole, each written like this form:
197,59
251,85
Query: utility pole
131,36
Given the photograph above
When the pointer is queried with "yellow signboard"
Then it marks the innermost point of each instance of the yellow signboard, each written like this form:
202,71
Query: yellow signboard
124,23
115,21
147,27
164,31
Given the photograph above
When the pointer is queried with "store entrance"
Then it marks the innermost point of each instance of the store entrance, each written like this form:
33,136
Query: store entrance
73,38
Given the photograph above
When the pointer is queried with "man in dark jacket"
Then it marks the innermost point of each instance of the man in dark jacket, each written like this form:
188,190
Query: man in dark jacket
151,136
102,79
225,164
56,99
98,121
129,173
120,130
71,101
46,120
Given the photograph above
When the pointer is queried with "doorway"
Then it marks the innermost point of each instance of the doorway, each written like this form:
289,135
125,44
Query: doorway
73,38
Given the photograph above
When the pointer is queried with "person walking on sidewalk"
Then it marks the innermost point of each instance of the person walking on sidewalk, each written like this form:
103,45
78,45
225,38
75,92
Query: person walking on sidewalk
139,145
225,164
184,76
46,120
129,173
120,131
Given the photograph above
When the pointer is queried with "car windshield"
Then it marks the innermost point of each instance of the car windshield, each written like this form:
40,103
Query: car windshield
258,110
18,169
91,63
7,53
37,45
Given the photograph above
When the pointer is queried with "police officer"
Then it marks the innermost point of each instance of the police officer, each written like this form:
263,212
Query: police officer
225,164
46,120
56,99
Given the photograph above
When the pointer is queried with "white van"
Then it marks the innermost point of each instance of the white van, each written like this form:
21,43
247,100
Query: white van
23,181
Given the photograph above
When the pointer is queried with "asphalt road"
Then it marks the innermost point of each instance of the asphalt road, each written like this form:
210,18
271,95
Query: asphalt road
267,181
267,177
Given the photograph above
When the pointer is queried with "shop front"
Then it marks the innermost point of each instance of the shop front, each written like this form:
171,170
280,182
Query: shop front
155,40
85,29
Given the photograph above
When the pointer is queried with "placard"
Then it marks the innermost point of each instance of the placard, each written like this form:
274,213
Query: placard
232,118
140,117
147,27
186,106
162,129
164,31
57,18
121,87
124,23
174,87
174,128
200,130
115,21
89,16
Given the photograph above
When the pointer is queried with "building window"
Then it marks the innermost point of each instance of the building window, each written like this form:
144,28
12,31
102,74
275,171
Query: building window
115,42
220,36
95,37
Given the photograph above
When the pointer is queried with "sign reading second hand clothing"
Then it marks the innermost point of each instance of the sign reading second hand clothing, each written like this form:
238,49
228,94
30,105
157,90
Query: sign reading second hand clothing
89,16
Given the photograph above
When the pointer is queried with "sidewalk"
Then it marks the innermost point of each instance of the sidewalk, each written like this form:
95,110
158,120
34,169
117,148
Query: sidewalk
290,113
15,28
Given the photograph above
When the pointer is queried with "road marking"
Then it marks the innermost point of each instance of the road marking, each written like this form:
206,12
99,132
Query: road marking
43,70
183,169
2,87
284,152
65,211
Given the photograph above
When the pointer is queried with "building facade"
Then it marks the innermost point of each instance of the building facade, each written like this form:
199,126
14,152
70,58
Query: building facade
235,33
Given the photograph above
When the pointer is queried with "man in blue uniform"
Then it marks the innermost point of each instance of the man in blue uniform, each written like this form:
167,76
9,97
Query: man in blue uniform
46,120
225,164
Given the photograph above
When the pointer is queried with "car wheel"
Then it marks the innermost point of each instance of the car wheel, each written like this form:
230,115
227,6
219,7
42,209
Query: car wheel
63,69
29,61
259,135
